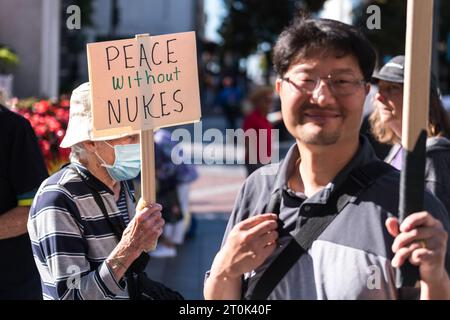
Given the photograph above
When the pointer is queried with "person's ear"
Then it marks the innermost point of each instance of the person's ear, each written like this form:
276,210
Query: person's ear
278,85
367,87
90,146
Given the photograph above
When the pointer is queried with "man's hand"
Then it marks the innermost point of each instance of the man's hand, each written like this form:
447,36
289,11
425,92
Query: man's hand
248,245
423,241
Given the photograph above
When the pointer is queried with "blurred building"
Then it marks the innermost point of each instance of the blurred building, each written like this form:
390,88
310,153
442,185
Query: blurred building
31,29
53,58
119,19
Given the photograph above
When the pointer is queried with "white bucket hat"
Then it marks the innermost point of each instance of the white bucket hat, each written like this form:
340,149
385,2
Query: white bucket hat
80,127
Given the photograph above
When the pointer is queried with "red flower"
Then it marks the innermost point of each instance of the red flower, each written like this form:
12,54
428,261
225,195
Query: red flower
65,103
36,119
62,115
49,121
53,124
40,129
42,106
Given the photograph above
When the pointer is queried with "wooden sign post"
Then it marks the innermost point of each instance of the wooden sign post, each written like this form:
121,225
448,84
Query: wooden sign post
416,95
148,172
141,84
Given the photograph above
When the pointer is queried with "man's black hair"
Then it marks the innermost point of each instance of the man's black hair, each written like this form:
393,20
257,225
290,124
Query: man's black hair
305,38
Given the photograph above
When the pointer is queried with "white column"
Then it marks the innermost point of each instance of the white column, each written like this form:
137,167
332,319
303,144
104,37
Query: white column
50,45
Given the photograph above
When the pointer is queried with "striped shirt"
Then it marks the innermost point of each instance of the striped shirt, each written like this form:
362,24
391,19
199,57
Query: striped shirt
71,238
122,205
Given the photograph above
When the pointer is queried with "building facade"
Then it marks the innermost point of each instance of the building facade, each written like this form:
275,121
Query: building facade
53,57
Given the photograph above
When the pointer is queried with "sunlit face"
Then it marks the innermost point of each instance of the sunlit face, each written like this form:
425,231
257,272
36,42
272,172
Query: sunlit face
321,117
107,153
389,104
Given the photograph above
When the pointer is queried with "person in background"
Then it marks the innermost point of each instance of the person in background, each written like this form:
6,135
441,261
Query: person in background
381,149
230,99
386,126
173,184
89,238
258,129
22,169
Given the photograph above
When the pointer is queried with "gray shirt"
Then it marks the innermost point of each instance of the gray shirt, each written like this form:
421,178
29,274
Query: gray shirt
351,258
437,167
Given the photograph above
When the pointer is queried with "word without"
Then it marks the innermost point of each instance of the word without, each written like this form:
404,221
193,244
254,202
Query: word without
118,82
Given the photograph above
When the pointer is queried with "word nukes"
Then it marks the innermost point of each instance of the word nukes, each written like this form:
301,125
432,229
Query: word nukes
132,109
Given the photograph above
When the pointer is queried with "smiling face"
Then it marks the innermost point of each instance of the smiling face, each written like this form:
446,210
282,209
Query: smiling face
321,117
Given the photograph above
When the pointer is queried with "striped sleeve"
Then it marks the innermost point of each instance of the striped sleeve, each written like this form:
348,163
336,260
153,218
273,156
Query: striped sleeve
61,252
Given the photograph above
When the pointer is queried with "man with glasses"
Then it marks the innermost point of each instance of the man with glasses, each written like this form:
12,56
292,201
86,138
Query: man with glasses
336,203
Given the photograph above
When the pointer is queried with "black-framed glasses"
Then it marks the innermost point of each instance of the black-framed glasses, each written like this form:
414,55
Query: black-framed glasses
339,85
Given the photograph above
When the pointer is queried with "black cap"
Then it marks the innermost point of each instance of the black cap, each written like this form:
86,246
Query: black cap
393,71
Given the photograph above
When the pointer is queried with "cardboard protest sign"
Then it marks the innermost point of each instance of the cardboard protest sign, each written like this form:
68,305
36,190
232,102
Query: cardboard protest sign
140,84
144,83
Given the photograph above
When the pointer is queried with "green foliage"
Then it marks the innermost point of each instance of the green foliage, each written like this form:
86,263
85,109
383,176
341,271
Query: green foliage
390,39
250,23
8,60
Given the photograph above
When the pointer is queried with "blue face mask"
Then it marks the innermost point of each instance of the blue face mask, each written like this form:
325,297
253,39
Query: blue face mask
127,164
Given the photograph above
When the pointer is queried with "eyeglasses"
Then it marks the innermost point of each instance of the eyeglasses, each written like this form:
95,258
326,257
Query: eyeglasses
339,85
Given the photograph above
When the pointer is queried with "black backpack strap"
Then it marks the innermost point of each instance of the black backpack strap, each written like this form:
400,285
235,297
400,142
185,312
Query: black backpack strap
118,230
261,285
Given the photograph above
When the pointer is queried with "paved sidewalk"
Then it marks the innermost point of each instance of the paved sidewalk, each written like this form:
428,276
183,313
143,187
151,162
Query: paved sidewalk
216,189
185,273
212,198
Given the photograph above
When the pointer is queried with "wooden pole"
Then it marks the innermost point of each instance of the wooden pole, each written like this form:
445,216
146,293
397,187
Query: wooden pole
148,174
416,95
148,191
419,35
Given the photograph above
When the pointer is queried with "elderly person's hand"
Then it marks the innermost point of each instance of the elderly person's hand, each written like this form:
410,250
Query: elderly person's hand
145,228
423,241
140,235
